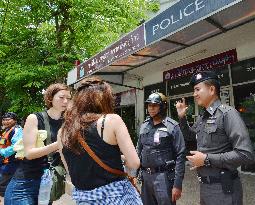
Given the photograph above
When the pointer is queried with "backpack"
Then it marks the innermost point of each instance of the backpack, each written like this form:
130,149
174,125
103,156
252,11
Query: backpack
58,171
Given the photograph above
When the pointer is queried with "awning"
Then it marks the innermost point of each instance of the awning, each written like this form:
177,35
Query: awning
184,24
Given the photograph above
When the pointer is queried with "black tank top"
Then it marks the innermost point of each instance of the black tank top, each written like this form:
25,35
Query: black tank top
33,169
85,173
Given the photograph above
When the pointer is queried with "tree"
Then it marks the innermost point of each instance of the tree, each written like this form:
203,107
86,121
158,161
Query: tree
40,39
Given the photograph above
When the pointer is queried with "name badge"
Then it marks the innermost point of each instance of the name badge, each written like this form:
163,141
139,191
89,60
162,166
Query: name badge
156,137
210,121
164,129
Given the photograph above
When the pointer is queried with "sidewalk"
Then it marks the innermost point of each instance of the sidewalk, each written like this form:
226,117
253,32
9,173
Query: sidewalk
190,194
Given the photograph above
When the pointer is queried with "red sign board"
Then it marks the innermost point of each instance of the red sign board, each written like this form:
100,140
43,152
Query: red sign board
125,46
210,63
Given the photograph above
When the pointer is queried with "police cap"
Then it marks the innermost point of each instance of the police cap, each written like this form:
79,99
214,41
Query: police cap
157,98
11,115
202,76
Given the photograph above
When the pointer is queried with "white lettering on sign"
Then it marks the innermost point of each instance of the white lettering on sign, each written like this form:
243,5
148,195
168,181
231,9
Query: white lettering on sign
250,69
155,91
127,46
190,9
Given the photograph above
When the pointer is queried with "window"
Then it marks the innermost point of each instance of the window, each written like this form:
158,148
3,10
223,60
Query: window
245,103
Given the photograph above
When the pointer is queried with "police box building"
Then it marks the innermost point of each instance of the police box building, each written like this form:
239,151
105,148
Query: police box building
162,54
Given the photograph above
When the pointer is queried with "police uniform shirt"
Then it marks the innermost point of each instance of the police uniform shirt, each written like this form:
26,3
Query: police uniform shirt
167,128
221,133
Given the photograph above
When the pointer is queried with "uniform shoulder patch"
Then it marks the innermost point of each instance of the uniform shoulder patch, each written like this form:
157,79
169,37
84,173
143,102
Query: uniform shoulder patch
225,108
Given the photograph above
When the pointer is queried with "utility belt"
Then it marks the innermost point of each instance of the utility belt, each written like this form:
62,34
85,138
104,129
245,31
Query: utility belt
168,166
226,179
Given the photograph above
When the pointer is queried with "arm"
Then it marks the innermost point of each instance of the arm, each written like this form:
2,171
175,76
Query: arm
242,152
124,142
139,147
30,138
6,152
179,149
188,132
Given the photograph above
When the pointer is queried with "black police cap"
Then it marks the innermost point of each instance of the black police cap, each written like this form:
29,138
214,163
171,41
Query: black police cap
202,76
11,115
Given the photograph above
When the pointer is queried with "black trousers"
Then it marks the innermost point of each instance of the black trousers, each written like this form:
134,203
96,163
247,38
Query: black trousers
212,194
156,189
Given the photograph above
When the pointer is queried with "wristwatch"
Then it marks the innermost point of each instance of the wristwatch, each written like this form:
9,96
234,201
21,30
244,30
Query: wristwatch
207,162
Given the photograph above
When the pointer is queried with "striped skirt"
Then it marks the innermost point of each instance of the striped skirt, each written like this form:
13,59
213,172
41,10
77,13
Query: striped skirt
116,193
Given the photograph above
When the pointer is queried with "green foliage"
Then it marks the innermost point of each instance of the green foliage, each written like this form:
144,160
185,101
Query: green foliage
40,39
153,5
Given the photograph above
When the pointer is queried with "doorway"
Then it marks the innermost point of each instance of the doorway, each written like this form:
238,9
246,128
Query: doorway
127,113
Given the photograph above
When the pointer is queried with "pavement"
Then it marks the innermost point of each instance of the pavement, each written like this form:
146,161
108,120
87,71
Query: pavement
190,194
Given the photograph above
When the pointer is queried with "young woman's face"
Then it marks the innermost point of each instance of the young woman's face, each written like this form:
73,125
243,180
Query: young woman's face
61,100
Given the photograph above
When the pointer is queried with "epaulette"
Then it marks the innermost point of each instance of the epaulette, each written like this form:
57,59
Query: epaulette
168,119
147,119
225,108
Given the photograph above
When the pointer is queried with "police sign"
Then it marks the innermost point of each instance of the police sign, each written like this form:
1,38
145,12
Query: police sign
181,15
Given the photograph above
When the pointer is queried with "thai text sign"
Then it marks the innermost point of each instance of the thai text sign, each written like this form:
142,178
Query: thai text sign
124,47
181,15
210,63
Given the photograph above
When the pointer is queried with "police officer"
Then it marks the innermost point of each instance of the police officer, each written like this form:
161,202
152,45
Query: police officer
161,150
223,142
11,134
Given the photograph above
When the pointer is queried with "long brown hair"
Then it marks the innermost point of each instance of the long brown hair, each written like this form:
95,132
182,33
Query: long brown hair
92,99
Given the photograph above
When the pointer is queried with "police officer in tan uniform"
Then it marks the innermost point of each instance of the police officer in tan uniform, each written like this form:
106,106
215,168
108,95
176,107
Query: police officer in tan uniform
161,149
223,143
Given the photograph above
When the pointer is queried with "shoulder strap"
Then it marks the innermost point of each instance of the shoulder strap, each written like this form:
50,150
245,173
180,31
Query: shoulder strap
98,160
47,127
103,165
102,128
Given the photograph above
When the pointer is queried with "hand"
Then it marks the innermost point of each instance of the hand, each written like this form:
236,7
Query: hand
176,194
197,159
181,107
135,180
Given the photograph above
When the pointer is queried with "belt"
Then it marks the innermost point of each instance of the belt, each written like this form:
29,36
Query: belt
153,170
213,179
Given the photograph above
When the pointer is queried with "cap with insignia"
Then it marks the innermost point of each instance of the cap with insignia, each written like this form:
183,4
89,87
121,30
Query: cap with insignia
202,76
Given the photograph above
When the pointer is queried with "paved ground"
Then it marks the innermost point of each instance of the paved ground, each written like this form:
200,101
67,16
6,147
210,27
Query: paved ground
190,194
